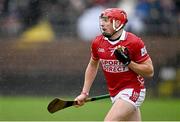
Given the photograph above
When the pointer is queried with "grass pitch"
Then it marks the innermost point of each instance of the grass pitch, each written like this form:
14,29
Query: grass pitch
35,109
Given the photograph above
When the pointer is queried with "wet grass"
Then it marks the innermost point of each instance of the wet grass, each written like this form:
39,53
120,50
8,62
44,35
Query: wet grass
35,109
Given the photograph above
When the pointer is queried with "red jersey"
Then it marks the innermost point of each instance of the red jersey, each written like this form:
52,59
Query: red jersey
119,76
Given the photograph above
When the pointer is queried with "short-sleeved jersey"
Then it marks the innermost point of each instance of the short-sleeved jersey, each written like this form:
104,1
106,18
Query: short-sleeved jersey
119,76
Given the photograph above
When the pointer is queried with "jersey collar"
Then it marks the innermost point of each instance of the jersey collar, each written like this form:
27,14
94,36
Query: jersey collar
123,37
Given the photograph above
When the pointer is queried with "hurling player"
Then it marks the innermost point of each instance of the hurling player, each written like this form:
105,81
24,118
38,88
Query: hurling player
125,63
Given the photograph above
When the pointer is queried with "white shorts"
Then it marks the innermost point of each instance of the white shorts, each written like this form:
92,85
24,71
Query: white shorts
135,97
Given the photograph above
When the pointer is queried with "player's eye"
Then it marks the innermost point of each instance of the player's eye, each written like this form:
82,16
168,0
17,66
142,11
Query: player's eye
105,19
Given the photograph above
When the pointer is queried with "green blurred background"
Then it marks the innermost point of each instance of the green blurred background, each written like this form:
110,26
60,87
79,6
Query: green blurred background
45,48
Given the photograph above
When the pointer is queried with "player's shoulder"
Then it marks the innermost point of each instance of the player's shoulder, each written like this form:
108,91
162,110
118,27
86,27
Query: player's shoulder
133,38
98,39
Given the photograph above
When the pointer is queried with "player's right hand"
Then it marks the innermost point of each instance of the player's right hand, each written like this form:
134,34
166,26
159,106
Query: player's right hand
80,99
122,54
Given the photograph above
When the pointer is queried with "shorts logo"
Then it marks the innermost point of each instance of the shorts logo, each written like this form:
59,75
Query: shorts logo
135,96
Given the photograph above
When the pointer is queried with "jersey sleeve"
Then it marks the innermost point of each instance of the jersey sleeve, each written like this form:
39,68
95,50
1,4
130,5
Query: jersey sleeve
94,49
140,52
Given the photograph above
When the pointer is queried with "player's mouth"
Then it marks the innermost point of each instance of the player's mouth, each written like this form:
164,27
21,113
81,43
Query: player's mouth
104,29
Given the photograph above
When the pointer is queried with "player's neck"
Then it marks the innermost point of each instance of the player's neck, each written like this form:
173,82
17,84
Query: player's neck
116,36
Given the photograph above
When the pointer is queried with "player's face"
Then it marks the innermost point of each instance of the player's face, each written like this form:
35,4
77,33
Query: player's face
106,26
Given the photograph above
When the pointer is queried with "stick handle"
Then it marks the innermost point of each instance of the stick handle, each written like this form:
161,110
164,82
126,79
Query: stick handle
98,97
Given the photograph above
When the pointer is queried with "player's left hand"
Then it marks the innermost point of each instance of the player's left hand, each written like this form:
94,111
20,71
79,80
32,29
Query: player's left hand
122,54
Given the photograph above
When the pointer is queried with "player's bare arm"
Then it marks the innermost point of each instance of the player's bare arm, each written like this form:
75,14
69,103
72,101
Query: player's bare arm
144,69
90,75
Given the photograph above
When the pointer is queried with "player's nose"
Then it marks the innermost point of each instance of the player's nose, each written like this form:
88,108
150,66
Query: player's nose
101,23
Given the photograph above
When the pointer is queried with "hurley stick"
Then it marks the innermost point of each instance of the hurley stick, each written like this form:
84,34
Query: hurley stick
58,104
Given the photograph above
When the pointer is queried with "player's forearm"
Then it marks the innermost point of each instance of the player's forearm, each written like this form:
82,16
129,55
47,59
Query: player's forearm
144,69
90,75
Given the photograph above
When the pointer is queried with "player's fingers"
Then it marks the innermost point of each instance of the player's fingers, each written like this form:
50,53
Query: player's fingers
79,103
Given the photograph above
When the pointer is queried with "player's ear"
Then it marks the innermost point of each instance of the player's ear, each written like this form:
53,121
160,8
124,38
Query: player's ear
117,23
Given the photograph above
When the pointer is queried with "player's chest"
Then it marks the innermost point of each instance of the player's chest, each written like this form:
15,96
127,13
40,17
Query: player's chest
106,50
